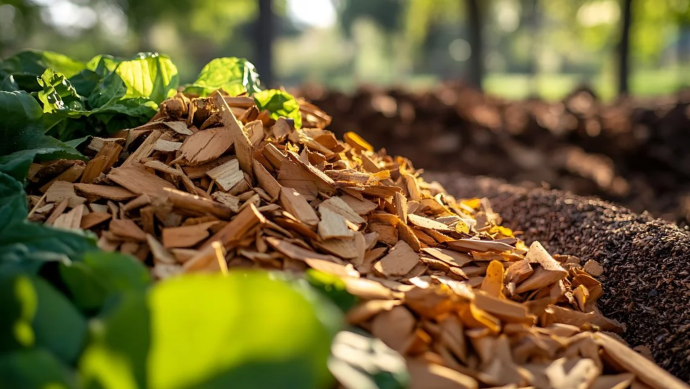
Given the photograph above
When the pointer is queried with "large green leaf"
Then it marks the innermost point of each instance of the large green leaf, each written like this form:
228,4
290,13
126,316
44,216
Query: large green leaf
149,75
233,75
100,276
18,304
280,104
35,368
58,326
35,62
39,315
21,127
27,246
243,330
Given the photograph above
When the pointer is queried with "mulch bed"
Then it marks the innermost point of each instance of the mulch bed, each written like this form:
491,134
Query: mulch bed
647,278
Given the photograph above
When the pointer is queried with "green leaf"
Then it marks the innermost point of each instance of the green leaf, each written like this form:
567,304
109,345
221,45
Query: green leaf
34,369
58,326
18,304
233,75
9,84
102,275
27,246
58,94
35,62
280,104
21,127
40,315
149,75
243,330
17,164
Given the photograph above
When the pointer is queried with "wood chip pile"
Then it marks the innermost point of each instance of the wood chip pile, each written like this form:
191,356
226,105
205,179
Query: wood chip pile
212,184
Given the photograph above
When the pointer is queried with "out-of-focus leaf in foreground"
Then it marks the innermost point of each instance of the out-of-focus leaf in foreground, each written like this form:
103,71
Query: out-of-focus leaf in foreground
243,330
36,368
38,315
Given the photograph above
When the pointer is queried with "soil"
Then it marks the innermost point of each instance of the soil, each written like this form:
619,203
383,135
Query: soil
631,151
647,277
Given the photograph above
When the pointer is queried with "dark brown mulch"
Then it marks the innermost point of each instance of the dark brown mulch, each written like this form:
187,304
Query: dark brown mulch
646,260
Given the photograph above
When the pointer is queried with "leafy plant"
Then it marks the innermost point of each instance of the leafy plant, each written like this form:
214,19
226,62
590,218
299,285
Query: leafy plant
74,316
280,104
233,75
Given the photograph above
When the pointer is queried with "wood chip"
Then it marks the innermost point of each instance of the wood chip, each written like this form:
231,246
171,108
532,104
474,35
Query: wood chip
332,225
94,192
127,229
298,206
399,261
139,181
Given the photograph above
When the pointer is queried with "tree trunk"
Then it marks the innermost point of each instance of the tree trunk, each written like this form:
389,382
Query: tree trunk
624,49
265,30
476,61
534,23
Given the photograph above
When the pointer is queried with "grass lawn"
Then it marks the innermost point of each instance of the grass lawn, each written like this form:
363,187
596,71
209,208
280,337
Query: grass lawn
646,82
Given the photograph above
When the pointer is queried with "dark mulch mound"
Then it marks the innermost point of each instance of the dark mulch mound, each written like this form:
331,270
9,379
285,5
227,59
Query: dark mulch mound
646,260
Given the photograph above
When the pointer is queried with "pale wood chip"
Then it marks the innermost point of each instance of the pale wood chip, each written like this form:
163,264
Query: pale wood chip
451,257
160,254
167,146
332,225
59,191
399,261
205,146
179,127
426,375
144,150
401,206
467,245
297,205
339,206
94,192
266,180
238,227
227,175
70,175
594,268
368,309
71,219
186,236
127,229
394,327
298,253
139,181
420,221
556,314
94,219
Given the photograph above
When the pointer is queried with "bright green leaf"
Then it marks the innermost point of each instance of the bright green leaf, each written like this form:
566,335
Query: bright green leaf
243,330
35,62
233,75
58,94
18,306
280,104
149,75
